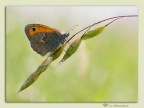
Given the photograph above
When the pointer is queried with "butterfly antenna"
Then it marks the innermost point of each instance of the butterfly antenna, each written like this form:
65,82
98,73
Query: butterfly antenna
71,28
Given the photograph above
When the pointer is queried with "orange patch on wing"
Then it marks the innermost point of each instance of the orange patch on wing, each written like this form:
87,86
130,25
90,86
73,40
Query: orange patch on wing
40,29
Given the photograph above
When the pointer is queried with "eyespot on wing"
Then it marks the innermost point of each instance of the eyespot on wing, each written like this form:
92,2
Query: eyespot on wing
32,29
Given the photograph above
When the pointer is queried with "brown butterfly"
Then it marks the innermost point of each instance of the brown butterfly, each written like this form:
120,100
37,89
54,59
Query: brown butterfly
44,39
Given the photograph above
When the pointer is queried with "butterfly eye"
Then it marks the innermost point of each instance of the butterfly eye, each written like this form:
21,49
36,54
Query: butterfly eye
33,29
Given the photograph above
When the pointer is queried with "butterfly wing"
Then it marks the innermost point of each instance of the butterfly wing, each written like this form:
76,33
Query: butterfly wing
43,39
45,42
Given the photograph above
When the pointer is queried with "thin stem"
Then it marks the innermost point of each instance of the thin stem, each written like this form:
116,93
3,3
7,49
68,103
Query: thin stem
86,32
118,17
112,21
101,22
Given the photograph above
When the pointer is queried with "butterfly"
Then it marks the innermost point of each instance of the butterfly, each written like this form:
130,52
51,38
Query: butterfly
44,39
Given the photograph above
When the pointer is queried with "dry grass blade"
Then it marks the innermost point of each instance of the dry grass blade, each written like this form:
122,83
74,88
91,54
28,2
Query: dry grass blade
34,76
93,33
71,49
58,52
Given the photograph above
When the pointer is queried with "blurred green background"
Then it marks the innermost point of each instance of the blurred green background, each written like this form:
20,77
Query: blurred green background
104,69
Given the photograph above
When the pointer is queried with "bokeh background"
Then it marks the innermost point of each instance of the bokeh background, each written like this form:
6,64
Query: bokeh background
104,69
